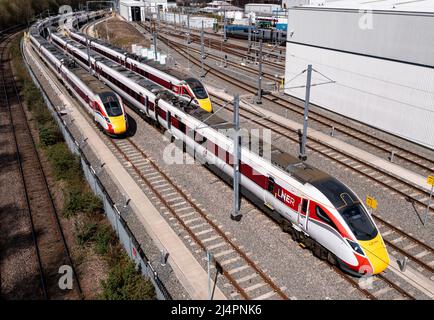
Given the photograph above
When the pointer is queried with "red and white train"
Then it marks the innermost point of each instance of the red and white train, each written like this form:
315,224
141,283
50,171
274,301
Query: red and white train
317,209
174,80
105,105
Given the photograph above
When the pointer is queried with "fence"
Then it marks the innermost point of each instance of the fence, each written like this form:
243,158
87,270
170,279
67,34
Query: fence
126,237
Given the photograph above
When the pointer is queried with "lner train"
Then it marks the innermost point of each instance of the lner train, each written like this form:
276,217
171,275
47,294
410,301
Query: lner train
105,105
77,19
174,80
314,207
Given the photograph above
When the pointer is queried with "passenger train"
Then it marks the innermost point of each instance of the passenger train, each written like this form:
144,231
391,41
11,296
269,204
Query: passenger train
317,209
256,34
104,105
174,80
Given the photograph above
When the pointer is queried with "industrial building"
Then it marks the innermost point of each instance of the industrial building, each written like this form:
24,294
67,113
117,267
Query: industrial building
135,10
373,62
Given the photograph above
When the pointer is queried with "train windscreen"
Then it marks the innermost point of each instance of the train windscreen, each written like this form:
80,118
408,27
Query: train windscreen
360,224
197,87
111,105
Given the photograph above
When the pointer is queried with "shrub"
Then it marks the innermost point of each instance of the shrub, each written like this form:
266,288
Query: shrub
49,134
104,239
65,165
125,283
86,232
81,201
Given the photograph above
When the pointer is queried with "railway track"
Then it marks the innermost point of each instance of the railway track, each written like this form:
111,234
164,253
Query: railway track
195,222
202,230
198,226
382,284
51,249
417,195
230,48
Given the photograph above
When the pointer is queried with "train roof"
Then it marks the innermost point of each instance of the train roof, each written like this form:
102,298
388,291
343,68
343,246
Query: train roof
301,171
148,84
136,78
152,63
96,86
338,193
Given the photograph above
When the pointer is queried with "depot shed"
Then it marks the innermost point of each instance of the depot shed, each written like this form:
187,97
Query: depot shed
132,10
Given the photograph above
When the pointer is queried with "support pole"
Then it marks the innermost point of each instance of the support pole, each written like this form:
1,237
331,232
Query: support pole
106,31
429,205
154,38
202,53
224,27
250,34
237,157
208,261
302,155
259,95
158,17
87,47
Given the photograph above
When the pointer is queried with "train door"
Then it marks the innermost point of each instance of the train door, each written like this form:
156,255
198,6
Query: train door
271,186
146,102
303,214
169,121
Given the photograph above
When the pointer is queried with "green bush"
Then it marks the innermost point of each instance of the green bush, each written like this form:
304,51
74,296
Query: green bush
49,134
65,165
81,201
86,233
125,283
104,239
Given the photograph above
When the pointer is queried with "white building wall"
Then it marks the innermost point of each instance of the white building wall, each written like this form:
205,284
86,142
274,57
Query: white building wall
125,9
154,4
397,97
195,22
264,8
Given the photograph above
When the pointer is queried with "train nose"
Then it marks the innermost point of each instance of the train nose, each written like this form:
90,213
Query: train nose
377,254
205,104
119,124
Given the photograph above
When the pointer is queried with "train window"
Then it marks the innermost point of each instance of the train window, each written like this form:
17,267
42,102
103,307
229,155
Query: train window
111,104
197,87
359,222
199,138
271,184
304,206
324,217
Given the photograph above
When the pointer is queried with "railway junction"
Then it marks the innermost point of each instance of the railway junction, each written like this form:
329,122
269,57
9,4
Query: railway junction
180,217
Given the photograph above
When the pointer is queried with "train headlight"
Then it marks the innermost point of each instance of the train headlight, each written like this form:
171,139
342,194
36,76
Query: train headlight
356,247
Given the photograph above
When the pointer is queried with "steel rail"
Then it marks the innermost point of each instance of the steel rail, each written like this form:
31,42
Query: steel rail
221,233
4,42
45,186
